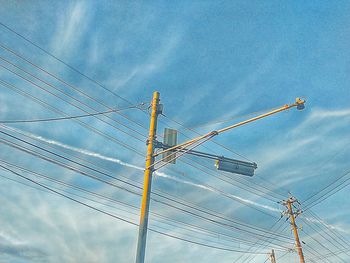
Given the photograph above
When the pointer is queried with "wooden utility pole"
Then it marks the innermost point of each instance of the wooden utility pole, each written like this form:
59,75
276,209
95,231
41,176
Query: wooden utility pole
272,256
141,243
291,214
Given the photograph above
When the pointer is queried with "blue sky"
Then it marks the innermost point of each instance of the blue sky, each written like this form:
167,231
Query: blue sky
210,61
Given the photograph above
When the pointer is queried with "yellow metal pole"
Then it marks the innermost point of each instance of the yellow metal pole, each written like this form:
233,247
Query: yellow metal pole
295,230
141,243
283,108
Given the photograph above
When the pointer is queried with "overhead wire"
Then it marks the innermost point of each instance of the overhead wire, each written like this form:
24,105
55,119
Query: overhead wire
51,74
155,193
337,236
222,146
71,103
120,218
324,247
252,189
66,83
12,86
328,193
81,160
158,216
264,243
54,109
217,143
64,63
64,118
212,188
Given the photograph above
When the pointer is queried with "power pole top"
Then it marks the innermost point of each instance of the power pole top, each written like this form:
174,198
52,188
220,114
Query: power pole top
272,256
292,215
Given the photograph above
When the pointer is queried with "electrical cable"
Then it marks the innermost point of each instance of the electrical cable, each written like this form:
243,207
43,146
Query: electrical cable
177,223
71,103
120,218
157,194
64,118
54,109
79,163
329,192
318,242
66,83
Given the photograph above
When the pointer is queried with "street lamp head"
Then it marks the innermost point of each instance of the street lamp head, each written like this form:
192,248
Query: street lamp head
235,166
300,103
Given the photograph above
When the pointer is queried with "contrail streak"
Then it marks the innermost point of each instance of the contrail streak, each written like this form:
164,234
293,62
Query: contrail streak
120,162
160,174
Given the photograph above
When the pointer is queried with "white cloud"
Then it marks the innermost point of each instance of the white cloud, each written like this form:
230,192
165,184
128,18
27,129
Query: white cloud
71,28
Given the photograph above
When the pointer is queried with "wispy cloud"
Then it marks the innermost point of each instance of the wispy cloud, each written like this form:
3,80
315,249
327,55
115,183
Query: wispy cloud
12,247
71,27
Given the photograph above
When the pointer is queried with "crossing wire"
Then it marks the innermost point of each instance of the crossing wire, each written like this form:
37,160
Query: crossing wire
27,39
222,146
81,73
328,193
87,77
265,242
64,63
331,234
337,236
72,68
154,193
79,159
131,135
120,218
104,135
66,83
54,109
71,103
190,227
318,242
65,118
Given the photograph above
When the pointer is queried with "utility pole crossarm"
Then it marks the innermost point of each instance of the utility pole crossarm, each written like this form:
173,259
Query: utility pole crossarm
288,203
299,103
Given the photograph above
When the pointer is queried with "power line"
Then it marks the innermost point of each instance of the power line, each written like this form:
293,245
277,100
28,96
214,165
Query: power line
54,109
194,131
331,234
329,192
75,162
117,217
64,63
344,242
64,82
119,142
188,226
66,118
46,90
71,103
265,242
222,146
155,193
318,242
